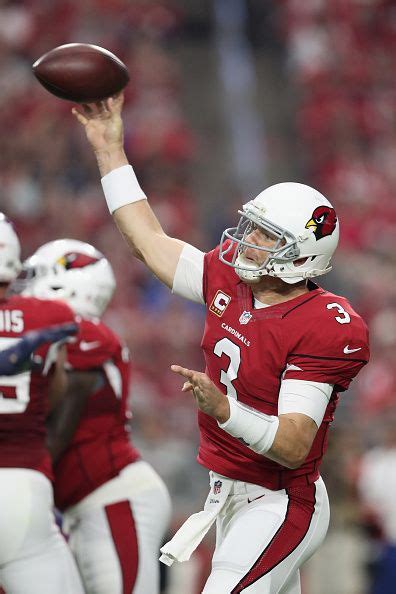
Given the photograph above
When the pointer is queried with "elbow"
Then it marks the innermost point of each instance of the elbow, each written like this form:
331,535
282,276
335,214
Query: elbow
293,464
293,441
295,458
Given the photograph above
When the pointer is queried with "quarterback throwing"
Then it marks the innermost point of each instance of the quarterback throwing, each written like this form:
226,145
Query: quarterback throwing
278,349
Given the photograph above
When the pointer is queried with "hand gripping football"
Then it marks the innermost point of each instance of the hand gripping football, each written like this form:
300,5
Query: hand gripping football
81,72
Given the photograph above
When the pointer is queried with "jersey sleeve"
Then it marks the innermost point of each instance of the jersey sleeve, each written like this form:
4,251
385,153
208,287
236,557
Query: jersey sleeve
188,277
94,346
55,313
327,349
304,397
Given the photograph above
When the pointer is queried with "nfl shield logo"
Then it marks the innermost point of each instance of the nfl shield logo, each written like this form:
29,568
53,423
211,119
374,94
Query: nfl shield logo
245,317
217,487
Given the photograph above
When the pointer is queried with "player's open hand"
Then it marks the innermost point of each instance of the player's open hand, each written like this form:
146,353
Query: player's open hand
207,396
103,123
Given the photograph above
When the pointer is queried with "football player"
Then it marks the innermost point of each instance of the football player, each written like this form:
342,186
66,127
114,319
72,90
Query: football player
115,507
278,349
34,556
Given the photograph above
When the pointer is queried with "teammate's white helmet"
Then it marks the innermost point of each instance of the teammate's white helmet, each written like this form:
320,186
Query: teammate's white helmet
73,271
304,225
10,251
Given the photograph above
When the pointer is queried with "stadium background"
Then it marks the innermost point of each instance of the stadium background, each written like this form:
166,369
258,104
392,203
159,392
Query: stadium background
226,97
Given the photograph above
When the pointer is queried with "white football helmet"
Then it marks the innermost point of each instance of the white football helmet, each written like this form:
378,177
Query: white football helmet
304,225
73,271
10,251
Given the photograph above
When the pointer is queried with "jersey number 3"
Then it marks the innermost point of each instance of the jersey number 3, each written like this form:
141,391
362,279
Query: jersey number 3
343,317
225,346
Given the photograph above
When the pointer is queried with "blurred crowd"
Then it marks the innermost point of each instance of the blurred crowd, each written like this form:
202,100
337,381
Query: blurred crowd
341,59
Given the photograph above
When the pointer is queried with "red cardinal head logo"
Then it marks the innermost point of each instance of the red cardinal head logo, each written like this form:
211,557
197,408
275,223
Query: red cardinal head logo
76,260
323,221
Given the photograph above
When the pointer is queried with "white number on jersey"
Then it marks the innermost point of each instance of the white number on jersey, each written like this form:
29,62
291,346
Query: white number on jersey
341,320
233,352
11,320
14,389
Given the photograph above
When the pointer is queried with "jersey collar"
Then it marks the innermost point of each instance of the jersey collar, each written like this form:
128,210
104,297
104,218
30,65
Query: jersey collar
279,310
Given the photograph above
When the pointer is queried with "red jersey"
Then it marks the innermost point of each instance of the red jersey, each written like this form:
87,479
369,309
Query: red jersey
101,446
315,337
24,403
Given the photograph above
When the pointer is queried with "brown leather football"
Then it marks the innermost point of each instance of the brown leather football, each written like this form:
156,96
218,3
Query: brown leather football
81,72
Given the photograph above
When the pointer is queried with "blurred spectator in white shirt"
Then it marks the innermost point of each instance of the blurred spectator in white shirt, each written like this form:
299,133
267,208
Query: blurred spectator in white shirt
377,488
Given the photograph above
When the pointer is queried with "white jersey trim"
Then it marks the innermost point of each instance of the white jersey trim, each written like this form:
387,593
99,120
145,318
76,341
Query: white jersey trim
188,279
308,398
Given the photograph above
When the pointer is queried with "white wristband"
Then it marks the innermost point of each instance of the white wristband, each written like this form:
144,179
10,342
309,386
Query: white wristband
121,187
255,429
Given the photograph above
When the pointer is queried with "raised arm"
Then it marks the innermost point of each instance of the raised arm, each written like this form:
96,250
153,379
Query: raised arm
126,200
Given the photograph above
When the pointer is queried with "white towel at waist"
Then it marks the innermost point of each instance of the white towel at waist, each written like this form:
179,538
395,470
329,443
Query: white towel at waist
190,534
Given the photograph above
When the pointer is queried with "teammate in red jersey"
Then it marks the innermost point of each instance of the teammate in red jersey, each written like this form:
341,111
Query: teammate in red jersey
278,350
33,555
116,508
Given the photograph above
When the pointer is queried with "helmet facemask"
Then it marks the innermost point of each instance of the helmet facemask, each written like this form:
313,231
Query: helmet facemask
285,248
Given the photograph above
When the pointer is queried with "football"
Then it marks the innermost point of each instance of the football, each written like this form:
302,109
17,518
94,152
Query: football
81,72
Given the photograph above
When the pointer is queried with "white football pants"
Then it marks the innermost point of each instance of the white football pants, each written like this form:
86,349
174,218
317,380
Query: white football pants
34,556
263,537
116,532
